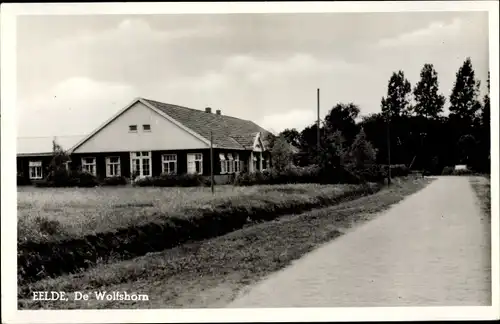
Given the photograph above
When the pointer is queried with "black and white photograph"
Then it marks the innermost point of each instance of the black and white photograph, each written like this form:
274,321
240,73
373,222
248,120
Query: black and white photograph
249,158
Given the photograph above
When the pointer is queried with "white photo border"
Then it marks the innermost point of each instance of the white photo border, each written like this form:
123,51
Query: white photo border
10,314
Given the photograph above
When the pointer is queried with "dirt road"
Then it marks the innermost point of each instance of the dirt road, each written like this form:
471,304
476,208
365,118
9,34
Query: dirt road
432,249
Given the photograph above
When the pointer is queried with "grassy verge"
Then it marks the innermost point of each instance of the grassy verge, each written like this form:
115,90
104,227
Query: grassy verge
210,273
482,188
59,252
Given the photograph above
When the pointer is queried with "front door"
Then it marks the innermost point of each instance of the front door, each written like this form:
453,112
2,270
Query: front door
140,164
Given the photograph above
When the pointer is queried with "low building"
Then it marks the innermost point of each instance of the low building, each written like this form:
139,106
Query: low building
148,138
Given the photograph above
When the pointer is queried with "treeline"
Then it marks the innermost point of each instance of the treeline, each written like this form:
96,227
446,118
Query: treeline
410,125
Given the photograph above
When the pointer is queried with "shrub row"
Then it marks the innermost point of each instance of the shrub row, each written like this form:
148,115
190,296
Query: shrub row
170,180
449,170
37,260
64,178
273,177
313,174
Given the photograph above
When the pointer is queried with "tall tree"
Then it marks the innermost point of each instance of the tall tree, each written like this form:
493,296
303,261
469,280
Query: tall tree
485,114
281,154
397,101
429,103
464,95
342,117
292,136
361,152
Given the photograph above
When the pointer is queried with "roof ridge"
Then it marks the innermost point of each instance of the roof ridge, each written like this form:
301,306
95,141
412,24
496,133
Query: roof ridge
194,109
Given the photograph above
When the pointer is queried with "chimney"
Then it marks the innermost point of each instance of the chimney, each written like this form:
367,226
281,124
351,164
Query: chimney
208,110
217,112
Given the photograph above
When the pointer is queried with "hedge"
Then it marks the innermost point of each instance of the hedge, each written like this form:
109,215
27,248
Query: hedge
313,174
64,178
115,181
170,180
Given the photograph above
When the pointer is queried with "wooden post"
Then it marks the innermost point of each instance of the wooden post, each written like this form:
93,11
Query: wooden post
317,123
211,163
388,147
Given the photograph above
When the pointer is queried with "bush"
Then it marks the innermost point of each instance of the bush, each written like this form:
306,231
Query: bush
447,170
61,178
115,181
84,179
462,172
398,170
309,174
170,180
372,173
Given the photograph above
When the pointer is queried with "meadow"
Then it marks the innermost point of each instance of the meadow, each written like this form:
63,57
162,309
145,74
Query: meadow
62,230
211,272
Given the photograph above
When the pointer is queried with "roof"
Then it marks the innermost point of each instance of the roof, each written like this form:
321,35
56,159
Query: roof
43,145
227,132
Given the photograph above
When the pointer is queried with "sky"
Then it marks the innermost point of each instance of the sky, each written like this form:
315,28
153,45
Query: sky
74,72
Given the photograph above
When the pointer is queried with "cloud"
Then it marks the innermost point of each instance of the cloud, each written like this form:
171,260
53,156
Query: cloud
132,50
297,119
435,32
72,107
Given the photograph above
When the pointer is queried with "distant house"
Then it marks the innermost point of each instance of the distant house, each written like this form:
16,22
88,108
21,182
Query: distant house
148,138
460,167
34,154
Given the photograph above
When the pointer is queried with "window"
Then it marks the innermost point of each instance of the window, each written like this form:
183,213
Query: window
88,165
132,128
223,166
146,127
230,164
237,166
255,163
169,163
35,168
195,163
140,164
113,166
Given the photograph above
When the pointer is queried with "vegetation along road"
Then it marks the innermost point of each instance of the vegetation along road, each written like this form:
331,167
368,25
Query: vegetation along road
432,249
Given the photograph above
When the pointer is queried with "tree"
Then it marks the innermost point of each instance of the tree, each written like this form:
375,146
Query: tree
57,171
281,154
464,95
292,136
466,147
397,101
342,117
429,103
361,152
485,114
332,154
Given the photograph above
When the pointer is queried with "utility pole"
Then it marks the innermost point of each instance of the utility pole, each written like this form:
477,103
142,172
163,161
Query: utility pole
317,124
211,163
388,147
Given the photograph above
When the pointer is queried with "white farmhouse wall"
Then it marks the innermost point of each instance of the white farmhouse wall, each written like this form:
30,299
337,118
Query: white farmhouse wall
164,135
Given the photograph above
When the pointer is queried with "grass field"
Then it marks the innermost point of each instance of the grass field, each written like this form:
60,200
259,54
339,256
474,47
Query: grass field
68,230
67,213
210,273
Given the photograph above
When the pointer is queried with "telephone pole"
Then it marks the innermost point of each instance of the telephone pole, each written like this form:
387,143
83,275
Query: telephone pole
317,124
388,147
211,163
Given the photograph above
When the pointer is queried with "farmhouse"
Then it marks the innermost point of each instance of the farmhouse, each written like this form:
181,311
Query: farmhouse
148,138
